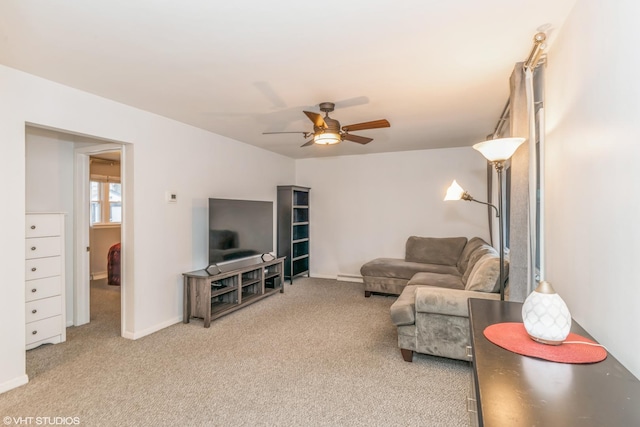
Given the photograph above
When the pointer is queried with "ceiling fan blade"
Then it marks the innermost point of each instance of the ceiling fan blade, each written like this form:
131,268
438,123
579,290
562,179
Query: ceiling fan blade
273,133
355,138
316,118
367,125
308,143
270,94
352,102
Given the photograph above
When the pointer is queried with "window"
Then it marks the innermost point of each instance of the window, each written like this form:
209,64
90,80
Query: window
106,202
115,202
539,191
506,212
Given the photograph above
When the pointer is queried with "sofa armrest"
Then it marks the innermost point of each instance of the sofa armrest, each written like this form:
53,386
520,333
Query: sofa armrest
403,309
453,302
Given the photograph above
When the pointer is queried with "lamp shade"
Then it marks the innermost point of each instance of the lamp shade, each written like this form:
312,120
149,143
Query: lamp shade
327,138
454,192
496,150
545,315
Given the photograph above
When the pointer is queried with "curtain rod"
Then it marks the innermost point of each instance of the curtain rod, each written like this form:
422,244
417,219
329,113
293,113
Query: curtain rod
103,161
533,60
501,121
536,52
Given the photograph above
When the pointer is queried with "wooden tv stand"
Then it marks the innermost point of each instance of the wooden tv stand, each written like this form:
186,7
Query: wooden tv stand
209,296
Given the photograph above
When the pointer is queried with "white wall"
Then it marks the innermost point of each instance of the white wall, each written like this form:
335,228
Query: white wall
164,240
364,207
49,171
592,154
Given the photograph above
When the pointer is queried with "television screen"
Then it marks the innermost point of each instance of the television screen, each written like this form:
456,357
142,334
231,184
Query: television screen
239,229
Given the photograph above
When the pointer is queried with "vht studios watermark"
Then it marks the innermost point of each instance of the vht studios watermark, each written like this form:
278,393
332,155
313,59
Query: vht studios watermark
42,421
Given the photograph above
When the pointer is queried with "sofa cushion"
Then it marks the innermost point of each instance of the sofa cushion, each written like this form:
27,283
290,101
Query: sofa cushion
450,281
473,244
403,310
485,275
401,269
474,257
434,250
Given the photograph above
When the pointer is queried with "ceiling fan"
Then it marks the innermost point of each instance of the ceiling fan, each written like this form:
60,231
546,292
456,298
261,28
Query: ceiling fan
328,131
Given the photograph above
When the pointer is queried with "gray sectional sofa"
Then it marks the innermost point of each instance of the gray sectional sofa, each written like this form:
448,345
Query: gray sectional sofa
434,282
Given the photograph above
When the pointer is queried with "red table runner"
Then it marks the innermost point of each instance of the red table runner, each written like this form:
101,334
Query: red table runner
513,337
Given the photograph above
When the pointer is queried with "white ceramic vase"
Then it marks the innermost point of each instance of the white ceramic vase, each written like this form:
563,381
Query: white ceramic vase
545,315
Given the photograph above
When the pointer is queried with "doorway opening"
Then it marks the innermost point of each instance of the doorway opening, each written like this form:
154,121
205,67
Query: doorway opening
58,179
105,219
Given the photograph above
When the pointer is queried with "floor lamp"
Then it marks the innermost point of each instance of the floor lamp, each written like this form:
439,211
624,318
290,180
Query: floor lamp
497,152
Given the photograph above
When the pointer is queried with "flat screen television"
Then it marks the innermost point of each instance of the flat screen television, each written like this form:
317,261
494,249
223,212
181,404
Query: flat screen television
239,229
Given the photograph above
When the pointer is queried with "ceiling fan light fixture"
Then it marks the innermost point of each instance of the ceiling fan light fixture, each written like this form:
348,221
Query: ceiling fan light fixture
327,138
327,131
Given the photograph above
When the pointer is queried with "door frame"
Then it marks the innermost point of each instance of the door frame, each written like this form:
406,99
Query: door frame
81,285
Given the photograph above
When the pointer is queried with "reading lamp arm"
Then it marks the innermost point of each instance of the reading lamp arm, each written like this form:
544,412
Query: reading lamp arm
466,196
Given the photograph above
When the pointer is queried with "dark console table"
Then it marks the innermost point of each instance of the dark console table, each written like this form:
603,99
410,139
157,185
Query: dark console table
514,390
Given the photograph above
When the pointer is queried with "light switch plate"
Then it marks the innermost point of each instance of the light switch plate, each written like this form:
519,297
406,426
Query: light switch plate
171,197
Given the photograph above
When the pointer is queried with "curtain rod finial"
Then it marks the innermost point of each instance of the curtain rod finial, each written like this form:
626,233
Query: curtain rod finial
539,37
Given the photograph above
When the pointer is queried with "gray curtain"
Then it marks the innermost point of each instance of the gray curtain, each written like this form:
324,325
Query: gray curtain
522,228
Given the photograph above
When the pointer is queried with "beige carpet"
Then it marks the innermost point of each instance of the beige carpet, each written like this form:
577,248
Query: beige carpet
319,354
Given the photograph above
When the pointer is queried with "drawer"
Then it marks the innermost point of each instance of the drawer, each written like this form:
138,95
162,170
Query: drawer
42,288
39,247
43,267
43,225
43,329
43,308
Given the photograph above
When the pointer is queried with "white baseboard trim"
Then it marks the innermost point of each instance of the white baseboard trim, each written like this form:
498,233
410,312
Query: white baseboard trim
99,275
14,383
149,331
349,278
340,277
324,276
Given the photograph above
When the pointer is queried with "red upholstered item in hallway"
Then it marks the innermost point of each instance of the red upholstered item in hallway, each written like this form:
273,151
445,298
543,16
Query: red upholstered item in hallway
113,265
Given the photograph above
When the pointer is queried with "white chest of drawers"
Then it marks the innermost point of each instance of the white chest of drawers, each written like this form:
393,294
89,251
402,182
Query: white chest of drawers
44,279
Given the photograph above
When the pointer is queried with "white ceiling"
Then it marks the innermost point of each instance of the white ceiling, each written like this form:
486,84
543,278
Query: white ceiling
437,70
